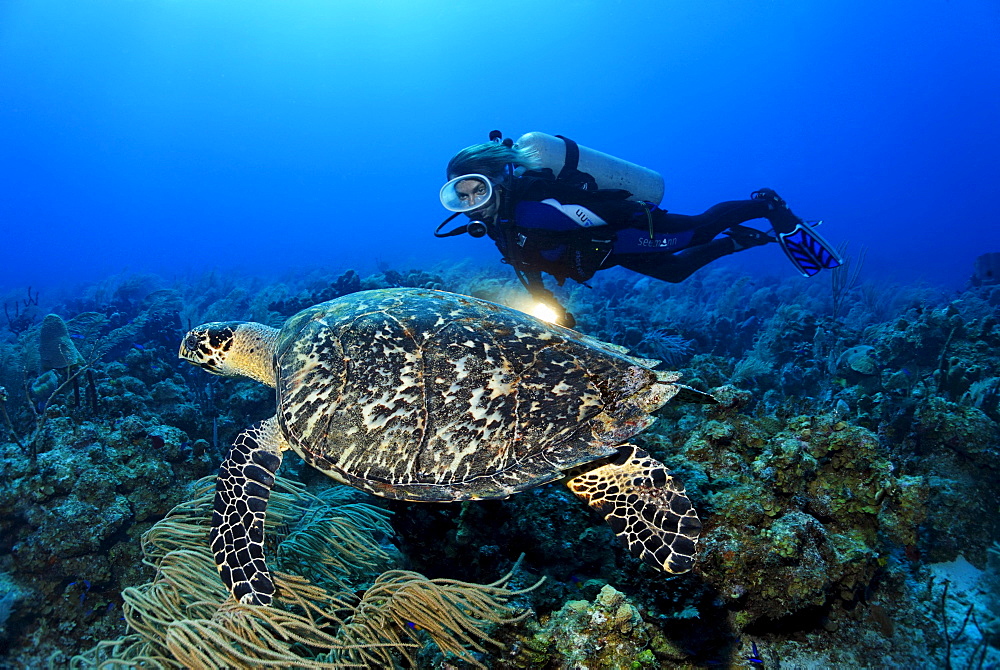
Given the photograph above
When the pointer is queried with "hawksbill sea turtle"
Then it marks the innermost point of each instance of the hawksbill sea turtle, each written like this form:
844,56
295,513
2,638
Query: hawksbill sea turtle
430,396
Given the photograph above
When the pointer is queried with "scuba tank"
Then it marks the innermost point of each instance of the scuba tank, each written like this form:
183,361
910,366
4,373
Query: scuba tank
565,157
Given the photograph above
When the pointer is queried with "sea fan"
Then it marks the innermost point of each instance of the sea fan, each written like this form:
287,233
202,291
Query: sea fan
672,349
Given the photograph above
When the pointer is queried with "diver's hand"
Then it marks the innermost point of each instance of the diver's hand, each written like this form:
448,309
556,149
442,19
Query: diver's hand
545,297
562,316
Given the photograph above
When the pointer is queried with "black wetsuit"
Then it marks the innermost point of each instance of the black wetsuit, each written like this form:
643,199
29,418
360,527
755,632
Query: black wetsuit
547,226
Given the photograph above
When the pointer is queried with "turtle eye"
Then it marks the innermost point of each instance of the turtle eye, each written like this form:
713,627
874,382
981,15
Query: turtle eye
191,342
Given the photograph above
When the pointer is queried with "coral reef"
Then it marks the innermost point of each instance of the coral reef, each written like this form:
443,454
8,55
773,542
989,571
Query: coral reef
851,464
801,517
608,633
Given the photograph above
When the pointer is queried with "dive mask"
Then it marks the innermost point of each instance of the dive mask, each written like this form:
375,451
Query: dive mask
466,193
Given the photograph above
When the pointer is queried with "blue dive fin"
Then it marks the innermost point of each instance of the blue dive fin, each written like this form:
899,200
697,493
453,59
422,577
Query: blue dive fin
808,251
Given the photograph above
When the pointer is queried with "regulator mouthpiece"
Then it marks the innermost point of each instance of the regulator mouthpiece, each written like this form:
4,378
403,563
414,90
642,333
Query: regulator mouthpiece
476,229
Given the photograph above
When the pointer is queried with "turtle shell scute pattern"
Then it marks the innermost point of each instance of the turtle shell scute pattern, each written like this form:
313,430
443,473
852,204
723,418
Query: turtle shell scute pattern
426,395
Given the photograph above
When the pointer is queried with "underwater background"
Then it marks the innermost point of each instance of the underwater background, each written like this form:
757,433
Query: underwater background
166,163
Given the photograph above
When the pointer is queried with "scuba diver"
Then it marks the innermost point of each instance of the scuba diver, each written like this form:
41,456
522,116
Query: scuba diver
545,202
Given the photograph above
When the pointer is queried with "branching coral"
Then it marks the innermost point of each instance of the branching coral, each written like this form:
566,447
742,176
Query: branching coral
844,278
22,320
186,618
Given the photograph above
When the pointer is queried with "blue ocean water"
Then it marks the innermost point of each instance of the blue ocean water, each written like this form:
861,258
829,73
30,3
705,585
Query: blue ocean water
171,136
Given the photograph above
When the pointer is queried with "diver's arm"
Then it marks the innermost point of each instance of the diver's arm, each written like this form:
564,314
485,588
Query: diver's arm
536,287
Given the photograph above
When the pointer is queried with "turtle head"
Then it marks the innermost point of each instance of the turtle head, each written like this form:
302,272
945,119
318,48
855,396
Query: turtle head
232,349
208,346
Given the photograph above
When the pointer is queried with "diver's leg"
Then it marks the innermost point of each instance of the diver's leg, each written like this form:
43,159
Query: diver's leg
712,221
778,213
703,248
763,204
677,266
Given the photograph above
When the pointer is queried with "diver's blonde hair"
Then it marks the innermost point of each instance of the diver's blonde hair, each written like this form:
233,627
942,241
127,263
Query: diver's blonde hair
490,159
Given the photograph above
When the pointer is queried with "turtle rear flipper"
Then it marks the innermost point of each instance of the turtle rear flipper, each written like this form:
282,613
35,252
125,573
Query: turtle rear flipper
241,492
645,507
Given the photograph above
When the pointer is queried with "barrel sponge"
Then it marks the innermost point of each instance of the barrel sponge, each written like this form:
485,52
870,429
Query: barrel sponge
55,348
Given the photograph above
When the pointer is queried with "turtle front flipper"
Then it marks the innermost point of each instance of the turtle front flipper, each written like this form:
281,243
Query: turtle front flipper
241,492
645,507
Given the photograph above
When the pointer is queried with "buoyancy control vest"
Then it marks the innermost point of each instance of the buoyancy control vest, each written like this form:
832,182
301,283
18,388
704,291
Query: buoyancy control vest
536,231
